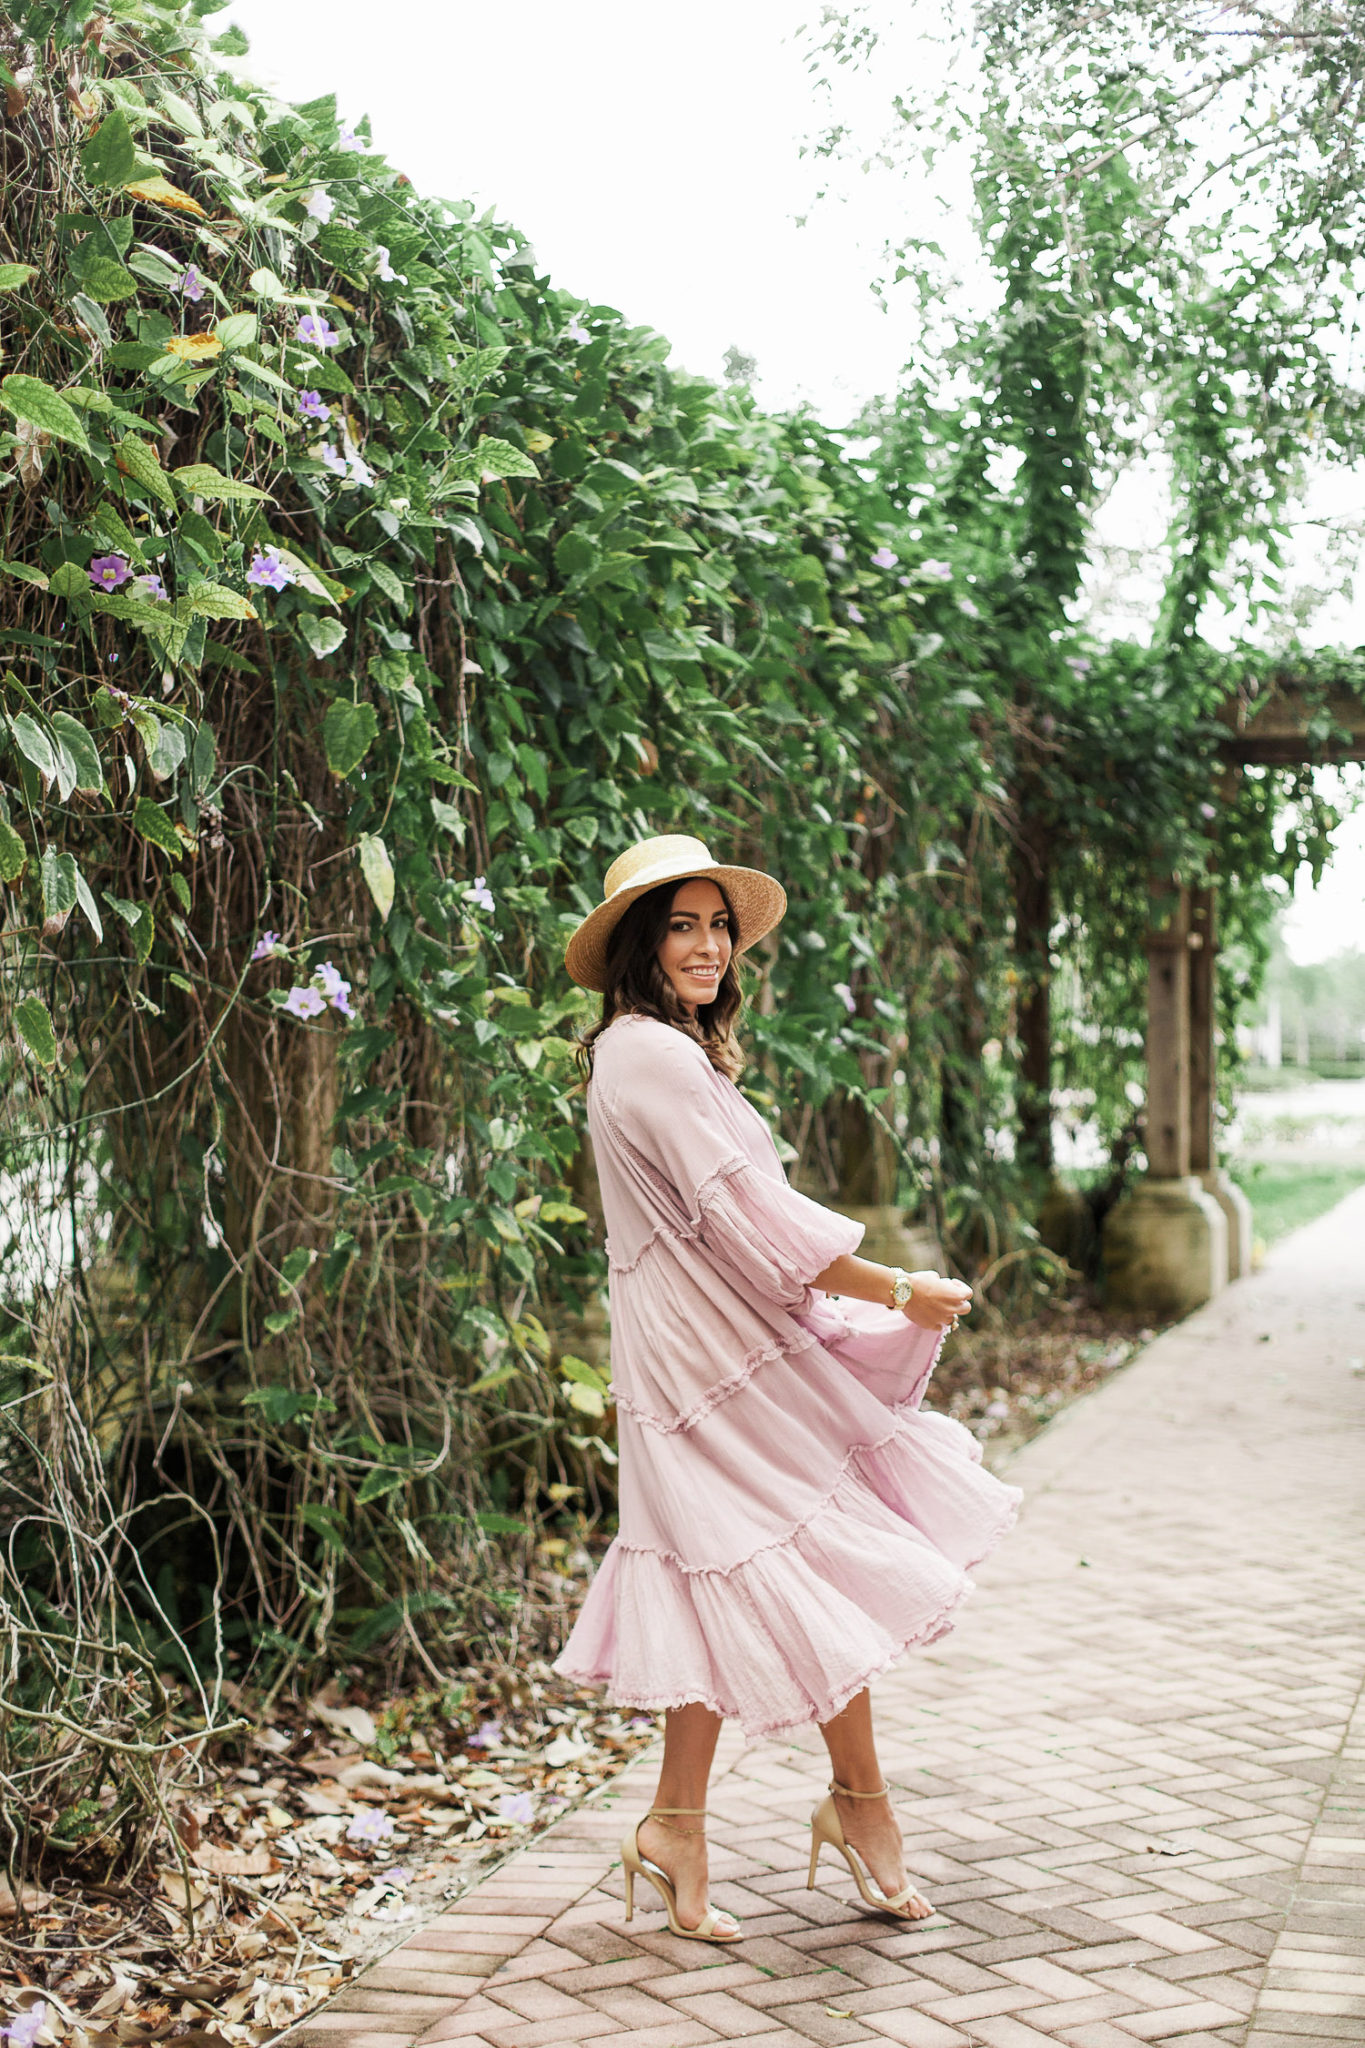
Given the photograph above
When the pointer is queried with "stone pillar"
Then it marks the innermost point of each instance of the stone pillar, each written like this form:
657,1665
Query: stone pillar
1203,971
1165,1246
1168,1044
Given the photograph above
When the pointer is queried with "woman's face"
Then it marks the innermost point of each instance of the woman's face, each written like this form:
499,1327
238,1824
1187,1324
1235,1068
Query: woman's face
697,945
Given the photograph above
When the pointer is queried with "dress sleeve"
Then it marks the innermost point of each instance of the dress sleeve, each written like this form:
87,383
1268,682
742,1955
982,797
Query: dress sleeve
666,1104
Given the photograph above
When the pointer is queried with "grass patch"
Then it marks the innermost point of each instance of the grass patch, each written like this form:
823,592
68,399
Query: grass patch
1284,1196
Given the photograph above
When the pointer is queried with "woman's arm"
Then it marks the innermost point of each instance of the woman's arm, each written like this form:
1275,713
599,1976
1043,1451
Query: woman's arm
933,1304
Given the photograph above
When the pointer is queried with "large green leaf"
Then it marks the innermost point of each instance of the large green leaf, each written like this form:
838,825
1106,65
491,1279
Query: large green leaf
151,823
202,480
348,732
500,459
13,853
58,871
324,636
140,461
25,573
33,743
88,905
82,749
377,869
35,1028
29,398
102,279
111,156
13,276
216,601
238,330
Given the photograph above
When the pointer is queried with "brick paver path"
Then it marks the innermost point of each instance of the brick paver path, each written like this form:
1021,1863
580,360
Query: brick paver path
1133,1778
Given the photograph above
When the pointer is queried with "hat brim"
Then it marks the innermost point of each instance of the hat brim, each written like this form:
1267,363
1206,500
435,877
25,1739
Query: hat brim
758,901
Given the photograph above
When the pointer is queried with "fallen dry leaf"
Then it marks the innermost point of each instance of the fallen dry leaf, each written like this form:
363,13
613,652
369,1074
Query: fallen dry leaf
31,1898
356,1722
181,1894
233,1862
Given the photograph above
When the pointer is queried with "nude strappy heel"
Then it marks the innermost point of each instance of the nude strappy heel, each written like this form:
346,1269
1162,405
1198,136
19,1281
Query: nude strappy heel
636,1865
826,1826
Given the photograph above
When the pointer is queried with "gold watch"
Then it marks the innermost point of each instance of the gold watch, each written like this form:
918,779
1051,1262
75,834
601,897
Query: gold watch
902,1287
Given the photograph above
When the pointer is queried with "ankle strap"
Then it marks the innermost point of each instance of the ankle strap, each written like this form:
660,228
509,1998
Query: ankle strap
849,1793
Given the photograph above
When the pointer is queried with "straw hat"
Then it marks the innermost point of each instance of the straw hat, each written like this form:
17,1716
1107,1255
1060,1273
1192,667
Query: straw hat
758,901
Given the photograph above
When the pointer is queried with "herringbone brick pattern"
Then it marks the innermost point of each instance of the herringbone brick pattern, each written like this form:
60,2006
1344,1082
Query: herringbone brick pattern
1133,1780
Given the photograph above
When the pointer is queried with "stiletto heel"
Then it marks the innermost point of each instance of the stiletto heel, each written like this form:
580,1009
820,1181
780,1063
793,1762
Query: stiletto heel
825,1826
635,1865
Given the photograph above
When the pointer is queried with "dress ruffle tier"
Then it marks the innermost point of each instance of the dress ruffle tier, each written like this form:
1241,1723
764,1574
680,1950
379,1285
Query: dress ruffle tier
791,1521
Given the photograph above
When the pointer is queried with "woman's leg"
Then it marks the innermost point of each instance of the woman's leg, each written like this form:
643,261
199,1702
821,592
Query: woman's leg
690,1735
869,1825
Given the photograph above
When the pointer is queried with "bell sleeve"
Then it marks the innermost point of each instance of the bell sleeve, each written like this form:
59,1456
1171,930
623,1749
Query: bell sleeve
669,1110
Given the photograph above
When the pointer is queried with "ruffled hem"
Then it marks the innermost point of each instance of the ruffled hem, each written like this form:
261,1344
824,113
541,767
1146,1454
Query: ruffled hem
826,1711
793,1633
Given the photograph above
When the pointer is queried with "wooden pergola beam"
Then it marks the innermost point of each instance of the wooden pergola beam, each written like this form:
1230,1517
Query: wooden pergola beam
1284,726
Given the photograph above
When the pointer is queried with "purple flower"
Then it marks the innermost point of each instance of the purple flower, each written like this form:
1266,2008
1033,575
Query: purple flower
488,1737
837,551
855,615
937,572
1208,812
24,2029
334,459
518,1807
384,269
321,205
106,572
312,407
267,946
369,1826
188,285
845,995
481,894
1078,665
398,1876
336,991
303,1003
267,571
883,559
576,331
154,587
314,332
349,140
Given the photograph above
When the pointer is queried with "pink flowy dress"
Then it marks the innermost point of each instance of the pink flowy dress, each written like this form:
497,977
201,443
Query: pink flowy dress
791,1520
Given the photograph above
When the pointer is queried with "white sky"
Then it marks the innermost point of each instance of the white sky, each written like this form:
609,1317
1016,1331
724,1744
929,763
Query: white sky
651,154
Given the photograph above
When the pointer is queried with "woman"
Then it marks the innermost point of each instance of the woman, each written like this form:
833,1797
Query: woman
790,1520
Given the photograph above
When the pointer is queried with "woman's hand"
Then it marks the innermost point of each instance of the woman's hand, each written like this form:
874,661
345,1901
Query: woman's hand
937,1303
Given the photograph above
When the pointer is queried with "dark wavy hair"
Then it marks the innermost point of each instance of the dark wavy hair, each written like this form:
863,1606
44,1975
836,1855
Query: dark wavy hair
635,982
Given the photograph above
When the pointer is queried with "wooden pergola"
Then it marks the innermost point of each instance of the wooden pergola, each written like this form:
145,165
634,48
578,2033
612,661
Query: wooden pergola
1185,1230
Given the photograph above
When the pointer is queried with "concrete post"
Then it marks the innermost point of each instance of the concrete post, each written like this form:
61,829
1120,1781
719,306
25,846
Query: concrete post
1203,942
1165,1246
